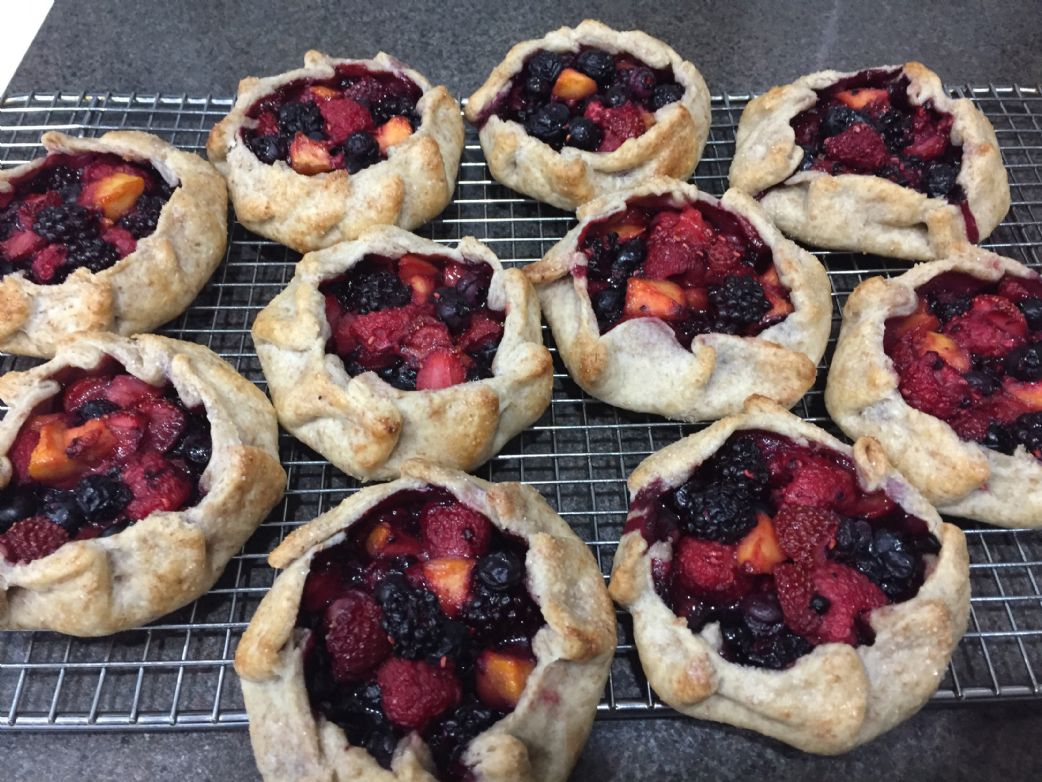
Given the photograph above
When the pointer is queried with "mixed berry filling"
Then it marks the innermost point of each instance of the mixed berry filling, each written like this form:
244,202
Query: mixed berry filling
697,267
420,322
777,543
971,355
420,620
78,211
591,99
105,453
347,122
866,124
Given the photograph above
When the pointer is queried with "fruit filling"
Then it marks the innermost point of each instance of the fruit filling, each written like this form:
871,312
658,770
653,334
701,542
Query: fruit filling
866,124
349,121
971,355
697,267
78,211
420,620
777,543
420,322
591,99
103,454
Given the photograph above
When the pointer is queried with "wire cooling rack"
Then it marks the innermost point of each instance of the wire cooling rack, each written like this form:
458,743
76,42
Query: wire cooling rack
177,673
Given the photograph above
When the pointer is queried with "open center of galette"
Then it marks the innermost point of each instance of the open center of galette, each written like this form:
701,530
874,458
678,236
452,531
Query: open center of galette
348,121
866,124
420,322
776,544
971,355
590,99
419,620
104,453
698,268
78,211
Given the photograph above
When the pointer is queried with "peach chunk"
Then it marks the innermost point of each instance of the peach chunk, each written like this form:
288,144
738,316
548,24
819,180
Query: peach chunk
500,678
449,579
385,541
1029,394
115,195
573,85
758,551
654,299
64,453
947,348
308,156
418,274
392,132
922,318
861,97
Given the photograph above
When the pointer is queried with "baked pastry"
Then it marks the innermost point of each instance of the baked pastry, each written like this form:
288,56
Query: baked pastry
393,347
132,471
317,155
117,233
435,627
587,111
782,581
665,300
943,365
879,161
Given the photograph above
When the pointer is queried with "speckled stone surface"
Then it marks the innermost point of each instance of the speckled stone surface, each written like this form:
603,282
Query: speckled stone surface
200,46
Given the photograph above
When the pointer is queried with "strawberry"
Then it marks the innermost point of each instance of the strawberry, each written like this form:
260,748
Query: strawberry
355,640
378,334
859,147
429,336
21,244
157,485
817,481
414,692
343,117
452,273
166,423
850,595
440,369
334,312
454,531
705,565
991,327
23,447
484,329
122,238
267,124
617,124
46,263
934,387
929,135
127,390
1020,288
84,390
32,205
32,538
795,590
804,531
129,430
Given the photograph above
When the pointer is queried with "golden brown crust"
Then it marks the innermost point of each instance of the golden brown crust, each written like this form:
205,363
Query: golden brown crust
671,147
307,213
838,696
166,560
866,213
148,287
537,742
639,365
366,427
958,476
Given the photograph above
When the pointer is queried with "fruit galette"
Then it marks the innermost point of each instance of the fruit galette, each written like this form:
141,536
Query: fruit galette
394,346
782,581
665,300
881,161
587,111
117,233
133,470
435,627
317,155
943,365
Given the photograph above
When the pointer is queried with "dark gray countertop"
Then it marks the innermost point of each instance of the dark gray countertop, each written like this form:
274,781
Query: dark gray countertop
201,47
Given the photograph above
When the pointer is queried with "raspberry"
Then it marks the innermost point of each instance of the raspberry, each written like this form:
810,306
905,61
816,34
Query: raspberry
725,259
804,532
431,335
47,265
484,330
343,117
441,369
617,124
32,538
354,638
157,485
850,595
414,693
859,147
166,423
817,481
992,326
704,565
455,531
121,239
677,243
795,591
930,134
21,244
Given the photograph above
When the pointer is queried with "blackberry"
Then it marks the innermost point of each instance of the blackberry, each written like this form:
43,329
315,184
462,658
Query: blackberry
739,463
895,129
373,290
483,357
15,506
545,65
939,179
64,222
101,498
394,106
448,739
601,253
142,220
949,307
267,149
301,118
608,305
664,94
548,123
452,308
62,509
641,83
501,616
756,634
400,375
838,118
1032,310
1025,362
61,179
739,303
630,256
719,512
357,711
91,252
1027,431
597,64
537,87
415,622
8,222
361,151
583,133
500,570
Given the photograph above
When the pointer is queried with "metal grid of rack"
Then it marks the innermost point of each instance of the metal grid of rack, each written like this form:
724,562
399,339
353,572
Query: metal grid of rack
177,673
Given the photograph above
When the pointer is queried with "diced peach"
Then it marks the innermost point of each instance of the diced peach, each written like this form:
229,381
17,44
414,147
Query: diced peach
947,348
758,551
91,442
392,132
573,85
500,678
1029,394
114,195
384,542
697,298
418,274
308,156
654,299
775,293
647,117
323,93
449,579
922,318
64,453
861,97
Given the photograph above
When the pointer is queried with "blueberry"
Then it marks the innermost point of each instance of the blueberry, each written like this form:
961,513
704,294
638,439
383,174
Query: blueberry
584,134
400,375
115,529
301,118
665,94
393,106
641,83
598,65
900,564
819,604
614,97
267,149
939,179
839,118
196,447
451,308
983,383
95,408
500,570
631,255
895,129
537,86
545,65
101,498
998,438
608,305
1032,309
61,508
761,610
1025,362
361,150
15,506
473,289
548,123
